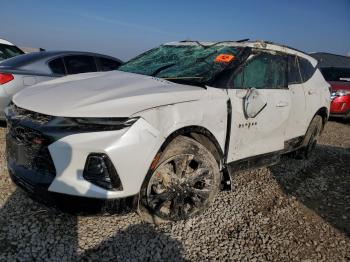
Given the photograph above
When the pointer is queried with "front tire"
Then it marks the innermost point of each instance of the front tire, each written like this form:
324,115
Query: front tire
183,183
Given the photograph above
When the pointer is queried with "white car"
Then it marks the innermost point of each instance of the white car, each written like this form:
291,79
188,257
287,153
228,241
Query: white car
167,130
8,50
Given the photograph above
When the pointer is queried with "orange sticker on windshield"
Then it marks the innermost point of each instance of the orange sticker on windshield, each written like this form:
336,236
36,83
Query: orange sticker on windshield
224,58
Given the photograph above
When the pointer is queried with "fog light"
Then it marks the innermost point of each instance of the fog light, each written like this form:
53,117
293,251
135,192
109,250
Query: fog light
100,171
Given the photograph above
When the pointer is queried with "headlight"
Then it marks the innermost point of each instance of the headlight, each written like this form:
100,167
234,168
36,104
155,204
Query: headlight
341,93
106,121
92,123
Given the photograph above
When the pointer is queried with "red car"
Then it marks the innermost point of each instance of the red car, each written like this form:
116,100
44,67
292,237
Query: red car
339,79
340,105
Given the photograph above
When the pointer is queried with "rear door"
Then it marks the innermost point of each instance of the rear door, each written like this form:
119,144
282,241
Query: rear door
261,106
296,124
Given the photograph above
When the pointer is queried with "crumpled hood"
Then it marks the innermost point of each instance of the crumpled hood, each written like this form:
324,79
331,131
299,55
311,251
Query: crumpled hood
103,94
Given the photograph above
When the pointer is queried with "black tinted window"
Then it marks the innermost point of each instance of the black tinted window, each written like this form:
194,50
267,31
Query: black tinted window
107,64
8,51
306,69
293,70
262,71
77,64
336,74
57,66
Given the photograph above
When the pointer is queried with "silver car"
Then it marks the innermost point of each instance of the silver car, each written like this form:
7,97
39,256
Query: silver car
26,70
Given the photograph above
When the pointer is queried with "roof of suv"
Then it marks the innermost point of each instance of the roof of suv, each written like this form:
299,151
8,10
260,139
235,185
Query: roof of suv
253,44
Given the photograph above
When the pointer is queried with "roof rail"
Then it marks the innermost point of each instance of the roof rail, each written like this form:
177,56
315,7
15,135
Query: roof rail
219,42
273,43
192,41
242,41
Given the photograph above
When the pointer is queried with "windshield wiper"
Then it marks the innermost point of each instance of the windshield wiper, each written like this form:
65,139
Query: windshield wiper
186,80
160,69
182,77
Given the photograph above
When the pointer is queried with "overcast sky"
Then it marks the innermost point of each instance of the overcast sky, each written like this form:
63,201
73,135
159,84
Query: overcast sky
126,28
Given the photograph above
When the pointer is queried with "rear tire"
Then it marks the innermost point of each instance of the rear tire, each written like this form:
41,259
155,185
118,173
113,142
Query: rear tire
310,139
181,185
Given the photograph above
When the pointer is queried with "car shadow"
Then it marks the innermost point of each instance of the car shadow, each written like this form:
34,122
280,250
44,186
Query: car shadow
340,120
31,231
321,183
140,242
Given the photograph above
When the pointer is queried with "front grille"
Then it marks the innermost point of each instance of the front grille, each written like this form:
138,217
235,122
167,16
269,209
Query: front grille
29,148
24,114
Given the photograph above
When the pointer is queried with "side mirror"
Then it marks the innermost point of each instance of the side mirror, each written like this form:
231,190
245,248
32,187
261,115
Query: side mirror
253,103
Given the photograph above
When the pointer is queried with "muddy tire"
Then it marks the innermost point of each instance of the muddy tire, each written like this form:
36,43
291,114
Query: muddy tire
182,184
310,139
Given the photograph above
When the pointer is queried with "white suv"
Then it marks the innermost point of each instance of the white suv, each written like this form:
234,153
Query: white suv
168,129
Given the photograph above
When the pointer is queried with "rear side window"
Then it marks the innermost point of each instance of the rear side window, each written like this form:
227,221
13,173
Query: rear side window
265,70
293,70
77,64
106,64
8,51
57,66
306,68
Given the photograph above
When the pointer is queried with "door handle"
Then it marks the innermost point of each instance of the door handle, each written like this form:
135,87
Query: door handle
282,104
311,92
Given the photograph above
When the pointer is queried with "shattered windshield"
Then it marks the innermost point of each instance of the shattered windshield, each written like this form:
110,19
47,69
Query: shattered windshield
193,64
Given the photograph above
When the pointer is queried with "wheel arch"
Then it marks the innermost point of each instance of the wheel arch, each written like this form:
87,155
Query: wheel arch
201,135
323,112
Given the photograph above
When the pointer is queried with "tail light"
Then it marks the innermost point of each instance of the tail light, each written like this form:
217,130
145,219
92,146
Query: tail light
4,78
339,93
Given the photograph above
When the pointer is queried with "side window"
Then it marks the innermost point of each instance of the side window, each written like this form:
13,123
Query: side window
306,68
278,71
293,70
106,64
57,66
77,64
263,71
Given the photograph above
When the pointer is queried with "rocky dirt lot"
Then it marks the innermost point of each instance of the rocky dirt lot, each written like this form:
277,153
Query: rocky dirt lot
295,211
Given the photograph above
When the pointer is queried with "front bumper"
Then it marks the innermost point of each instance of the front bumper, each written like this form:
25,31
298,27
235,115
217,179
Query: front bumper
131,151
38,190
31,182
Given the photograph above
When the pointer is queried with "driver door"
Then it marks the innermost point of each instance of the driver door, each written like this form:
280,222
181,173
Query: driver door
261,105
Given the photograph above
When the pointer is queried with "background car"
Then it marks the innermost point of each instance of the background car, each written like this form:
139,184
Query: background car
336,70
26,70
8,50
339,78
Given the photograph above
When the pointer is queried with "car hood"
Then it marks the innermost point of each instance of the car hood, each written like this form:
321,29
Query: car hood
104,94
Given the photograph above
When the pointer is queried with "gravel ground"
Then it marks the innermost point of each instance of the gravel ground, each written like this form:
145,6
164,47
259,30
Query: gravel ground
296,210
